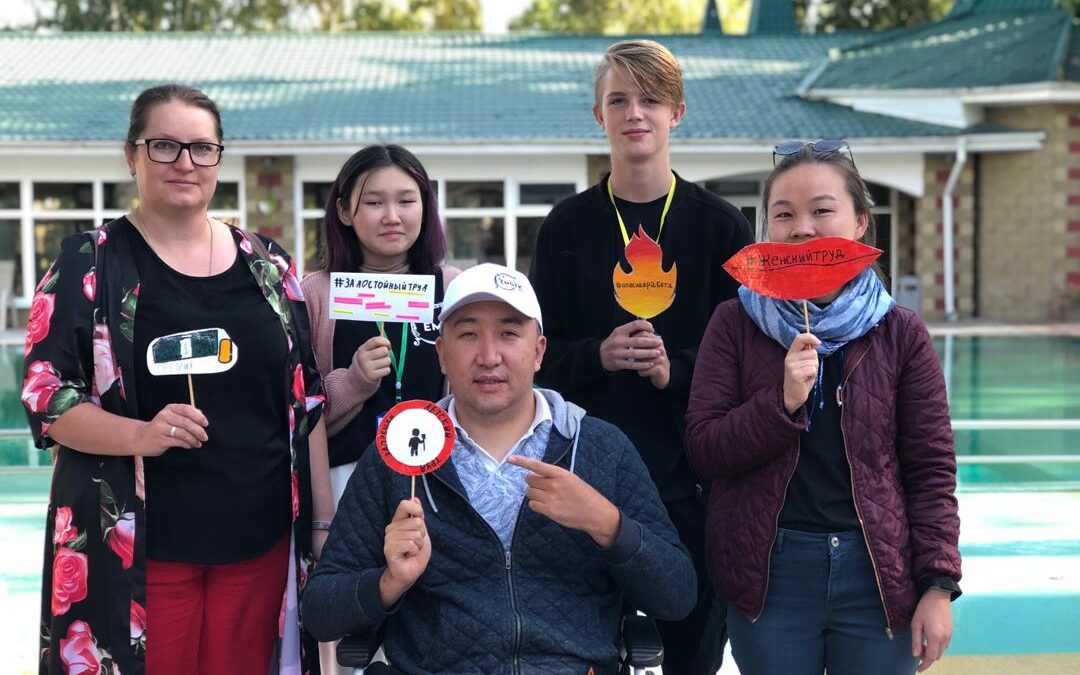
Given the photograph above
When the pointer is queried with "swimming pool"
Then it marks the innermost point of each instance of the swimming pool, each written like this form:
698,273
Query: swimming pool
1015,404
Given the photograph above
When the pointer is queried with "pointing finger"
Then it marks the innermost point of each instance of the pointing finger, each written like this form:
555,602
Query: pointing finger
536,466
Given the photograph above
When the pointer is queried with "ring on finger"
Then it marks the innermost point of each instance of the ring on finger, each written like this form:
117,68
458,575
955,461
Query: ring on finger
172,431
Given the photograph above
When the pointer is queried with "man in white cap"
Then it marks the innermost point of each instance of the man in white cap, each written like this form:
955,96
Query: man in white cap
466,579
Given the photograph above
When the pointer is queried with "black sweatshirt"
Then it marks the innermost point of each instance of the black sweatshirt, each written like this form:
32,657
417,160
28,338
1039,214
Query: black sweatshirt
577,249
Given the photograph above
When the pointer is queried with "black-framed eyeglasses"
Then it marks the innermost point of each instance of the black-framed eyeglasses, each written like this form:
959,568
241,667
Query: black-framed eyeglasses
167,151
821,147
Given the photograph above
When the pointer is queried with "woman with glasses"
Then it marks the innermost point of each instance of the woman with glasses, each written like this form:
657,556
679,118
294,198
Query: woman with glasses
180,516
833,525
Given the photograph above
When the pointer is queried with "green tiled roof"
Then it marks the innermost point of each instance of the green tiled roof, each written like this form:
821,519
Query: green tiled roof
312,88
967,6
981,47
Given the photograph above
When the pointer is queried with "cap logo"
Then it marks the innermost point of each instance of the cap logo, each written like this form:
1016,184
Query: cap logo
506,282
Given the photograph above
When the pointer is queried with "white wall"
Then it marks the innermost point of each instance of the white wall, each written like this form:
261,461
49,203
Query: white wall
900,170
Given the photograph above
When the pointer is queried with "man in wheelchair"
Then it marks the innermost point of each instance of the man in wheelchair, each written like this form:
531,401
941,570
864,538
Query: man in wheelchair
518,554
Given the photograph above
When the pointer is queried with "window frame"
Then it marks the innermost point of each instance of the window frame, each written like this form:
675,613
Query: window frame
27,215
510,211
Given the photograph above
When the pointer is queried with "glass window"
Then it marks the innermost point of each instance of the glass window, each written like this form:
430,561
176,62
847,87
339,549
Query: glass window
881,194
730,188
226,197
11,249
47,238
750,213
123,196
316,194
476,240
548,194
9,195
883,240
527,229
57,196
312,244
472,195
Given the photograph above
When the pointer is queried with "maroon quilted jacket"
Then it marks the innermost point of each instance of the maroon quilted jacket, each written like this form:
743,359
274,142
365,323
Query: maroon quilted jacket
895,423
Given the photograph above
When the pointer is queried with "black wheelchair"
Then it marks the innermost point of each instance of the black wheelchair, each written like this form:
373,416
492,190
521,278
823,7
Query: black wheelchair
640,647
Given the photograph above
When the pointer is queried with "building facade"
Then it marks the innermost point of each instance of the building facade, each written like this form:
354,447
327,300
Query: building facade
968,130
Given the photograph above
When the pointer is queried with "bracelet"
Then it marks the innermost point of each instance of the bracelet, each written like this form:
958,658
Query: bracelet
320,525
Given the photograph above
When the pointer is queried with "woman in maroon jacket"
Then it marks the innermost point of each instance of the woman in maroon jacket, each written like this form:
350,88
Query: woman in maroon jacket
832,528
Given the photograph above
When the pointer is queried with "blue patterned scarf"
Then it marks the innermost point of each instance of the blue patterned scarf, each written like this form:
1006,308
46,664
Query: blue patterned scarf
859,307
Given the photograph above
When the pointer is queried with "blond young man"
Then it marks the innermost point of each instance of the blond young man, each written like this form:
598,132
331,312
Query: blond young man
631,372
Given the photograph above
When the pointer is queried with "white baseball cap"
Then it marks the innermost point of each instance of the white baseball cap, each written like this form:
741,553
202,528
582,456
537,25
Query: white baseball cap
489,281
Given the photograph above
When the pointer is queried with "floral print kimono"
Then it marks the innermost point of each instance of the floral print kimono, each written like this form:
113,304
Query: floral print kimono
79,348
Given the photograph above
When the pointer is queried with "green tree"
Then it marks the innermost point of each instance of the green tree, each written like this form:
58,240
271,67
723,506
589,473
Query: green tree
415,15
1070,6
831,15
258,15
612,16
165,15
404,15
735,15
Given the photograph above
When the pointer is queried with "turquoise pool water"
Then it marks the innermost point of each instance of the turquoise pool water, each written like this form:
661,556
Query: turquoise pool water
1029,378
1015,404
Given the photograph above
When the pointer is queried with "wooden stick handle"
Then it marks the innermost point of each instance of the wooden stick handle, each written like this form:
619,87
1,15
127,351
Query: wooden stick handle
191,390
806,315
412,492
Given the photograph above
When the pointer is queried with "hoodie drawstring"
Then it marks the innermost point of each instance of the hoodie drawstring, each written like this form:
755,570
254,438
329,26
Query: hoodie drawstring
427,490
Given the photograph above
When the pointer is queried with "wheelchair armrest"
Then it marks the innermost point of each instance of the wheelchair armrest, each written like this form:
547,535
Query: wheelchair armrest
642,643
356,651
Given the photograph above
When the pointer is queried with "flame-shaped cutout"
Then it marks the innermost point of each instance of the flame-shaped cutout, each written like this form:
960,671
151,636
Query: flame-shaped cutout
647,289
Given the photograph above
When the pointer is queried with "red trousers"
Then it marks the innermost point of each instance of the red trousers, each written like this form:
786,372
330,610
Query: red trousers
211,619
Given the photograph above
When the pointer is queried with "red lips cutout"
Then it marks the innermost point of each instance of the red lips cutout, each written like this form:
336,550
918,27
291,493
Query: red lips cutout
800,271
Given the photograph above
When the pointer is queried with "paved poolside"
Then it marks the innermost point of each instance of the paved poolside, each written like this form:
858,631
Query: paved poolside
1020,612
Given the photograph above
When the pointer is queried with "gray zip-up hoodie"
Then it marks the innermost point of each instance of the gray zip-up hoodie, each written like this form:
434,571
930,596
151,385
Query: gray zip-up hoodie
551,604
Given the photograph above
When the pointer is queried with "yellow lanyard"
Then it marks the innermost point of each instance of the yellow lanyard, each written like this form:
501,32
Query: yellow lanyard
663,215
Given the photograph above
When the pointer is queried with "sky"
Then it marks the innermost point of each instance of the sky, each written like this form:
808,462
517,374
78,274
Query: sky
497,13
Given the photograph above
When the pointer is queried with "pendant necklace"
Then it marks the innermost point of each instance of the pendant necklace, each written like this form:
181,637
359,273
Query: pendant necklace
140,225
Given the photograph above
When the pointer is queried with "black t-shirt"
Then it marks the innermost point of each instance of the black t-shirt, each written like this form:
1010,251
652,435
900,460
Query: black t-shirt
645,214
228,500
819,497
421,378
576,250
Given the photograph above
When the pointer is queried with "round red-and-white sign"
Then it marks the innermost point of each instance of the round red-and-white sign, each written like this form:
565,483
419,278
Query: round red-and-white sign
415,437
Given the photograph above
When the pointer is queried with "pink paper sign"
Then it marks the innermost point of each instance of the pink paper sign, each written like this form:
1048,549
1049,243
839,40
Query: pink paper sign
382,297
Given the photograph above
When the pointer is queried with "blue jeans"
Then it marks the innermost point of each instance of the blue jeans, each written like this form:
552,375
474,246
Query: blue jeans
822,612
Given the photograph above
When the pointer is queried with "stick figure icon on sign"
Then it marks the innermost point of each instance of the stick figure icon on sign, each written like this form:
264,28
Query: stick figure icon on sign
415,437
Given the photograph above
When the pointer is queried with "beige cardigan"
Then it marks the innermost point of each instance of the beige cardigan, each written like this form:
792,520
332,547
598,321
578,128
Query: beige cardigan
346,389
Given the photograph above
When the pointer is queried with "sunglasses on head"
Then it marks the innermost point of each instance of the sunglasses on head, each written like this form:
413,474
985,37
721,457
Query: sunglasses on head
816,147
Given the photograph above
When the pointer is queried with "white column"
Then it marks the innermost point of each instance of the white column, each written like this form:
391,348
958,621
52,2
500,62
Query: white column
298,253
894,212
948,226
510,198
26,235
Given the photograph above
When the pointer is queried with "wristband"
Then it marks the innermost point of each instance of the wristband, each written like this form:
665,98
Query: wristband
323,525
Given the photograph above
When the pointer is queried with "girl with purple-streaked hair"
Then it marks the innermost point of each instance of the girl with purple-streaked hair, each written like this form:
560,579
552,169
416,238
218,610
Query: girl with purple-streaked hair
381,217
